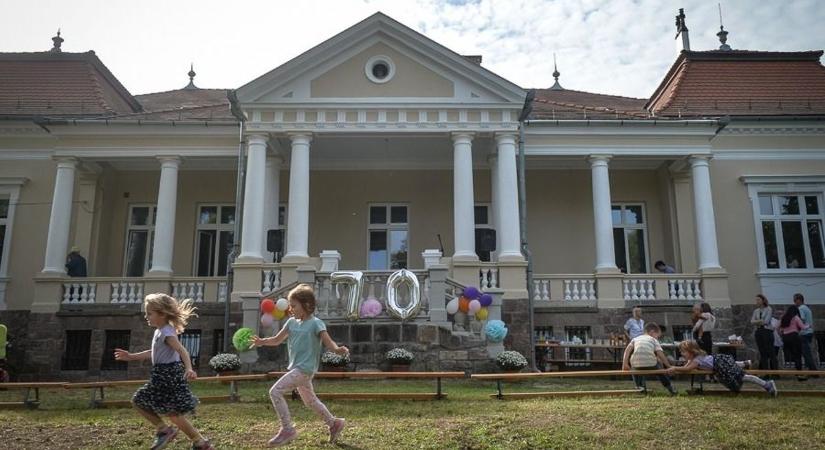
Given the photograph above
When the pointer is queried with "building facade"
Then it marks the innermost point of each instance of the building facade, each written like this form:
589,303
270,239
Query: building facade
380,150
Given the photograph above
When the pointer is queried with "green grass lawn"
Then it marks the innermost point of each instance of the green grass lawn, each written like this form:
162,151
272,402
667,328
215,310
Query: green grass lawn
468,419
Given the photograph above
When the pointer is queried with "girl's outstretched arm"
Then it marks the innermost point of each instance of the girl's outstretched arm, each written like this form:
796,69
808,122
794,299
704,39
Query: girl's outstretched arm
691,365
124,355
331,345
271,341
173,342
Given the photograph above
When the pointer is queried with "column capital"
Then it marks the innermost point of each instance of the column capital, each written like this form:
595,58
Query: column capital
169,161
699,160
300,138
65,161
258,139
599,160
505,136
462,137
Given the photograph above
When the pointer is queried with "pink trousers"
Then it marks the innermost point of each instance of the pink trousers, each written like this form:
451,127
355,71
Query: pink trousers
295,379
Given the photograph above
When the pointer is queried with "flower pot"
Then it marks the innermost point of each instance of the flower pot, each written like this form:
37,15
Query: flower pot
400,367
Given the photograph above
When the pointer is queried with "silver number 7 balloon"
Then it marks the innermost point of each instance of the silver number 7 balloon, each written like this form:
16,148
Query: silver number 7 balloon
352,280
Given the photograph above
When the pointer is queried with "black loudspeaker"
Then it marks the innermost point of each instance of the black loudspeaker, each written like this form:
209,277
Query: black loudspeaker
485,240
275,241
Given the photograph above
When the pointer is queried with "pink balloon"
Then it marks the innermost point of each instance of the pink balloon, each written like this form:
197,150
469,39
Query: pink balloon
371,308
475,305
266,320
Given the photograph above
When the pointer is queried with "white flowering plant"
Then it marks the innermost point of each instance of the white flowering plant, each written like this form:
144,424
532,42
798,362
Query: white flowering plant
335,360
225,362
511,360
400,356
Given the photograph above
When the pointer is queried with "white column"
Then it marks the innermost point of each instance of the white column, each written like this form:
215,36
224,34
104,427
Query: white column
253,201
509,237
57,243
495,223
165,222
297,239
463,199
706,245
272,199
605,257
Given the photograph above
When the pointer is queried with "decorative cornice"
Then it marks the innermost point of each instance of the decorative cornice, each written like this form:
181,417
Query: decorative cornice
773,131
782,179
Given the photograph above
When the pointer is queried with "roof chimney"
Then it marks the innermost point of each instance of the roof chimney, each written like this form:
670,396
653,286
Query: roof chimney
681,29
722,34
57,40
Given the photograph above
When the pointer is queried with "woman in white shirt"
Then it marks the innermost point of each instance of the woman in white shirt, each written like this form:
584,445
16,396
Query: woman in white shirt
761,320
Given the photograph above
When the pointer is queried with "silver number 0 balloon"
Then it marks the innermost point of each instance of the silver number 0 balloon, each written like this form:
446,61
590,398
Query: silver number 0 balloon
409,281
352,280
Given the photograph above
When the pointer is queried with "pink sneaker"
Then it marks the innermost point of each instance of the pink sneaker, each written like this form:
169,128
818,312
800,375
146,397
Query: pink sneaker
336,429
283,437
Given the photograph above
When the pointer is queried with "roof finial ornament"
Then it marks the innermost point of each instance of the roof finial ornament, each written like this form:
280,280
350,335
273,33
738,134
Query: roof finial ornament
191,74
556,86
681,29
722,34
57,40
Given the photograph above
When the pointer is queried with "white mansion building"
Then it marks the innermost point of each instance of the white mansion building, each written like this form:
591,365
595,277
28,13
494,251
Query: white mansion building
380,149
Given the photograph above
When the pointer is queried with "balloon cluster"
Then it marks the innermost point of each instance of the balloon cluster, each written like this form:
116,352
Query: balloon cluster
272,311
472,301
495,330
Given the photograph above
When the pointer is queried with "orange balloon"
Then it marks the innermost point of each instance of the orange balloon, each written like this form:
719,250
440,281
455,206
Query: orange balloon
277,314
463,304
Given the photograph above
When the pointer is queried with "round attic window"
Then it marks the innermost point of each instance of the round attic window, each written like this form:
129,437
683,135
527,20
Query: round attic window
380,69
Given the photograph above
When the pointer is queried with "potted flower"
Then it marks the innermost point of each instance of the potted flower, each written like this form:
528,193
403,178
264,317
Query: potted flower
511,361
333,362
225,364
400,359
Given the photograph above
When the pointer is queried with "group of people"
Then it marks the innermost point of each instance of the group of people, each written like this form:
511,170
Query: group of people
167,391
790,331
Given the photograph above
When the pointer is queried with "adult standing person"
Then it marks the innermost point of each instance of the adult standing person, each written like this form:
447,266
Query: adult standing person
761,319
635,326
703,323
789,328
807,334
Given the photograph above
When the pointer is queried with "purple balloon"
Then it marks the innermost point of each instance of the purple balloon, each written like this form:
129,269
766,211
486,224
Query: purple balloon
486,300
371,308
472,293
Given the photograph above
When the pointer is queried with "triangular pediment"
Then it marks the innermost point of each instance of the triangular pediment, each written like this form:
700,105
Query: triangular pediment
416,70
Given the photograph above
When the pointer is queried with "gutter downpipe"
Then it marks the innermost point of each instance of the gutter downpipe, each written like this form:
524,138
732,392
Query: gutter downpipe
522,203
239,187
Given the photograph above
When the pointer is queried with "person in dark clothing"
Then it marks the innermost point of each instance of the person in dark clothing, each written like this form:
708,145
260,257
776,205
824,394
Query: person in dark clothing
75,264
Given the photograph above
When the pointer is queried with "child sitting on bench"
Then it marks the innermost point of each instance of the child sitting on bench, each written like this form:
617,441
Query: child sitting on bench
645,353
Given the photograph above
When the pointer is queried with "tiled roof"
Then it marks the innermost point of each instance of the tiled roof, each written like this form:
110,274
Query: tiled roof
52,84
184,104
741,83
567,104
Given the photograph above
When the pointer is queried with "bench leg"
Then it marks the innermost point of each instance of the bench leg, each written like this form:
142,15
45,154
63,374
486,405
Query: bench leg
95,401
233,392
499,395
438,394
27,398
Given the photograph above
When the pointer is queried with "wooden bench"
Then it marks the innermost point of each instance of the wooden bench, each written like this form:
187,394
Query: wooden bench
437,376
98,399
499,378
29,389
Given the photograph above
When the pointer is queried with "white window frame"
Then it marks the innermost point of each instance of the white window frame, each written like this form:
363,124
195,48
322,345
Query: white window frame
9,189
147,264
636,226
388,226
784,185
218,226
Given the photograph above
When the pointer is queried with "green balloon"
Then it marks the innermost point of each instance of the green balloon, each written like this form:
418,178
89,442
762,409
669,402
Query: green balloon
242,340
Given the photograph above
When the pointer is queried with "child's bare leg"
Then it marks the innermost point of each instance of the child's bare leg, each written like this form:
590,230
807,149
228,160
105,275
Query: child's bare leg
184,425
153,418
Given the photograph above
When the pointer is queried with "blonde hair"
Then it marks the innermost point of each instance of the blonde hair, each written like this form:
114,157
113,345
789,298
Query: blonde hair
177,313
691,347
304,295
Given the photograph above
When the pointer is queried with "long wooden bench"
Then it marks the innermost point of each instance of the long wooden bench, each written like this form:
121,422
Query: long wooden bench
437,376
695,375
29,400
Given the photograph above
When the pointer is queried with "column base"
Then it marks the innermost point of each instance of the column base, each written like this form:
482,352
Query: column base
712,270
295,258
607,270
510,257
250,259
158,274
465,257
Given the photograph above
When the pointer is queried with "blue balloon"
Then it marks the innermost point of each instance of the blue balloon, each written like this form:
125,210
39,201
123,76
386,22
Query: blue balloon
486,300
472,293
495,330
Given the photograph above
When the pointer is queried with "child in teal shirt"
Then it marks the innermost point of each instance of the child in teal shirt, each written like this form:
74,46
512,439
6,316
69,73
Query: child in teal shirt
304,334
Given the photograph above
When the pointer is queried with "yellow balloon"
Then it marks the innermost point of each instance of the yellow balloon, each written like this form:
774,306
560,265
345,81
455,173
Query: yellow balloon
482,313
277,314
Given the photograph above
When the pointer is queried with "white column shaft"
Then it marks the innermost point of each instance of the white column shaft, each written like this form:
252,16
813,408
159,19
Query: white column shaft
605,256
165,222
57,243
272,200
253,200
298,217
707,249
508,215
463,199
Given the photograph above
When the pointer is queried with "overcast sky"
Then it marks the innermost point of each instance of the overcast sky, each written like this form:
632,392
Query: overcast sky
613,47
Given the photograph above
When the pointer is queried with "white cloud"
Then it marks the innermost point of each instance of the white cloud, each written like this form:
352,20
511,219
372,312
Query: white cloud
615,47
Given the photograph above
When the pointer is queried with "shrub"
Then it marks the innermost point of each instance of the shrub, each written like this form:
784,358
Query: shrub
511,360
400,356
225,362
335,360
